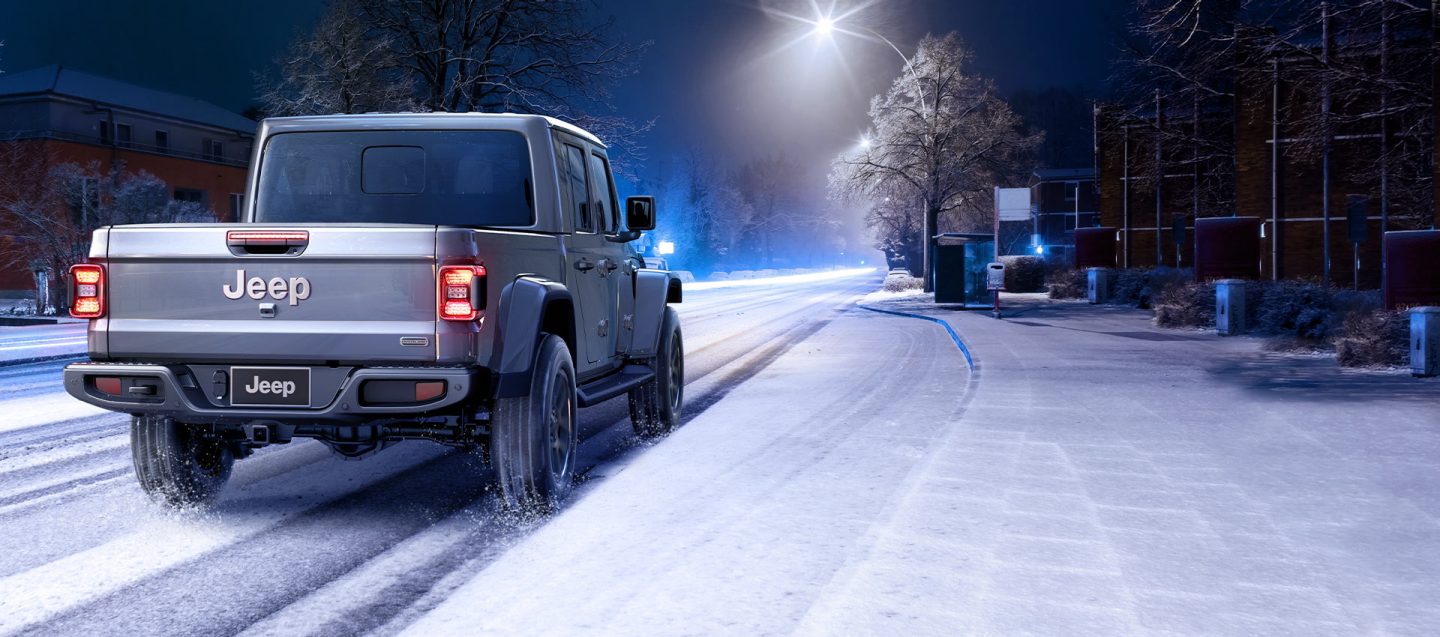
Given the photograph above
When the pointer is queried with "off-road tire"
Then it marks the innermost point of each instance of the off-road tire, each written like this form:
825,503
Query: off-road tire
655,406
534,437
178,465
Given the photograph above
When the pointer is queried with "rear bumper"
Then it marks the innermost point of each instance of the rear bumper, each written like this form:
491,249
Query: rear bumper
180,395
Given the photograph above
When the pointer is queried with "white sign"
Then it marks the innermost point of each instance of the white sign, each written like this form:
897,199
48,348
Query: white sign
1013,204
995,276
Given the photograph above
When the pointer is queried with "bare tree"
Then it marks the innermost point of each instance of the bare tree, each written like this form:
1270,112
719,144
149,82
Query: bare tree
343,66
512,55
1348,70
1359,77
942,131
1177,79
772,186
706,215
52,219
897,222
549,57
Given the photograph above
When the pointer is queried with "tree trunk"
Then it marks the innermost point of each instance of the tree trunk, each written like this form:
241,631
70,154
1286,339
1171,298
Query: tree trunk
927,245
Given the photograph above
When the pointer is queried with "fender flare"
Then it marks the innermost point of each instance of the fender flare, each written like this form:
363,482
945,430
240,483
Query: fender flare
653,289
523,305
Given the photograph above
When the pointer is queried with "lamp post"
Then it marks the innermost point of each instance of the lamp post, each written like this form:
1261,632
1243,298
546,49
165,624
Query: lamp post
825,27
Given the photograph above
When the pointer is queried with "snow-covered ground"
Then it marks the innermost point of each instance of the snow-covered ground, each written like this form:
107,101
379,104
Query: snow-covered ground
303,542
841,472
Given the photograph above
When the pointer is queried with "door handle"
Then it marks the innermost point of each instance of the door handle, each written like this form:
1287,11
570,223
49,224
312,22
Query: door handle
609,265
584,265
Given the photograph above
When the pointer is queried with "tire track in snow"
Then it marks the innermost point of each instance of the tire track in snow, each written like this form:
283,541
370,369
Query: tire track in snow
750,343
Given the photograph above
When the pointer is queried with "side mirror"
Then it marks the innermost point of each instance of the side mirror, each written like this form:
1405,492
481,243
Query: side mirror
640,213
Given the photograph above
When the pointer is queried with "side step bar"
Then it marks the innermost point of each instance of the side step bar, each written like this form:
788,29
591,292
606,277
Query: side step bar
603,389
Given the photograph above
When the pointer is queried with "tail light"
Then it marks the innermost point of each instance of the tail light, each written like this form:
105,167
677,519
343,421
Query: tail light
267,237
87,299
461,295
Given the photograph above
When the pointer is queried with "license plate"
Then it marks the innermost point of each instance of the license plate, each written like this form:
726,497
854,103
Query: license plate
270,386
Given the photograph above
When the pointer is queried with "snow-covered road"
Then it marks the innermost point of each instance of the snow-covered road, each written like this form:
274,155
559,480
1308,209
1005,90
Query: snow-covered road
841,472
41,341
303,542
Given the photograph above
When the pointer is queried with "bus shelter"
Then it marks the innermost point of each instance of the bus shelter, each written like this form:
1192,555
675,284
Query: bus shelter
959,268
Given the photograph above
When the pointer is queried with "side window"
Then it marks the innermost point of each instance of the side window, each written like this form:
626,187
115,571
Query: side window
602,190
579,192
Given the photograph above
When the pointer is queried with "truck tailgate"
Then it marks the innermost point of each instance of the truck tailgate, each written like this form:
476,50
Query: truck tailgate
362,293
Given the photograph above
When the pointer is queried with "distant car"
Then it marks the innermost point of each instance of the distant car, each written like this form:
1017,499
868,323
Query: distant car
657,263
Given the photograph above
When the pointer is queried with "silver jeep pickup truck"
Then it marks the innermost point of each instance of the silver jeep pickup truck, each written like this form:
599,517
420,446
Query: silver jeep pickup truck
460,278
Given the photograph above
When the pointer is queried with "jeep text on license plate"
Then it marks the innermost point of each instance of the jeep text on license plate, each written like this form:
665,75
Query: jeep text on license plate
270,386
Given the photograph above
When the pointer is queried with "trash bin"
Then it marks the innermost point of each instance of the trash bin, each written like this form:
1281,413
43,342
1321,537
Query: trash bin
1230,307
1425,341
1098,284
959,268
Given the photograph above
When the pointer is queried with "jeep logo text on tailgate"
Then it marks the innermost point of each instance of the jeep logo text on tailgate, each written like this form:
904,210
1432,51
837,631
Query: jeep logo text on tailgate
296,289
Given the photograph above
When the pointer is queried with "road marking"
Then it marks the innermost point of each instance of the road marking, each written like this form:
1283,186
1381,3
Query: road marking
969,362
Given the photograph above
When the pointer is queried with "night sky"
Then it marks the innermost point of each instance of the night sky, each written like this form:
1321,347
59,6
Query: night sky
707,80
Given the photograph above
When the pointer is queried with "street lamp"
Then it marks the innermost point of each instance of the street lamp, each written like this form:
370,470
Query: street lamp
824,26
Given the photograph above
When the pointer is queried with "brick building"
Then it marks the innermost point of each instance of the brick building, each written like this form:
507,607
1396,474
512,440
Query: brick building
54,115
1267,174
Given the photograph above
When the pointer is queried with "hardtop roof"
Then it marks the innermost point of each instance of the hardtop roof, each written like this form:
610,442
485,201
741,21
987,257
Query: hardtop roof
441,120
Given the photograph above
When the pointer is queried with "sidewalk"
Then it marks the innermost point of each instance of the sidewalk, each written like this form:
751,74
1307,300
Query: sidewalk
1114,478
22,344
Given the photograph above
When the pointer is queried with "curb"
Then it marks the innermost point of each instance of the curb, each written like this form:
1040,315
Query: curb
969,362
42,359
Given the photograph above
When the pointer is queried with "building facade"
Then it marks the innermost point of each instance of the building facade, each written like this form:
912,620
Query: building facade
1062,199
53,115
1324,200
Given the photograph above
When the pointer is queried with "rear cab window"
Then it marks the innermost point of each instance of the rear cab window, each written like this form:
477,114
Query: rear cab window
602,191
577,195
460,178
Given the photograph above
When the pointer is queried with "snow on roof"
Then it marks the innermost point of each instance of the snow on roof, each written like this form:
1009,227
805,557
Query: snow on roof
78,84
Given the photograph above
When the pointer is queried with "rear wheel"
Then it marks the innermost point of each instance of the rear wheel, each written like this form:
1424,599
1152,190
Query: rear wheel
533,438
655,406
178,465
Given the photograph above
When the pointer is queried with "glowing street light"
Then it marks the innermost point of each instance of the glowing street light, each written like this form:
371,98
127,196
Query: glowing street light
824,26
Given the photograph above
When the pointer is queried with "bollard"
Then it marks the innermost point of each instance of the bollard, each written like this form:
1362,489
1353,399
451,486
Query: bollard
1230,307
1425,341
1099,284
